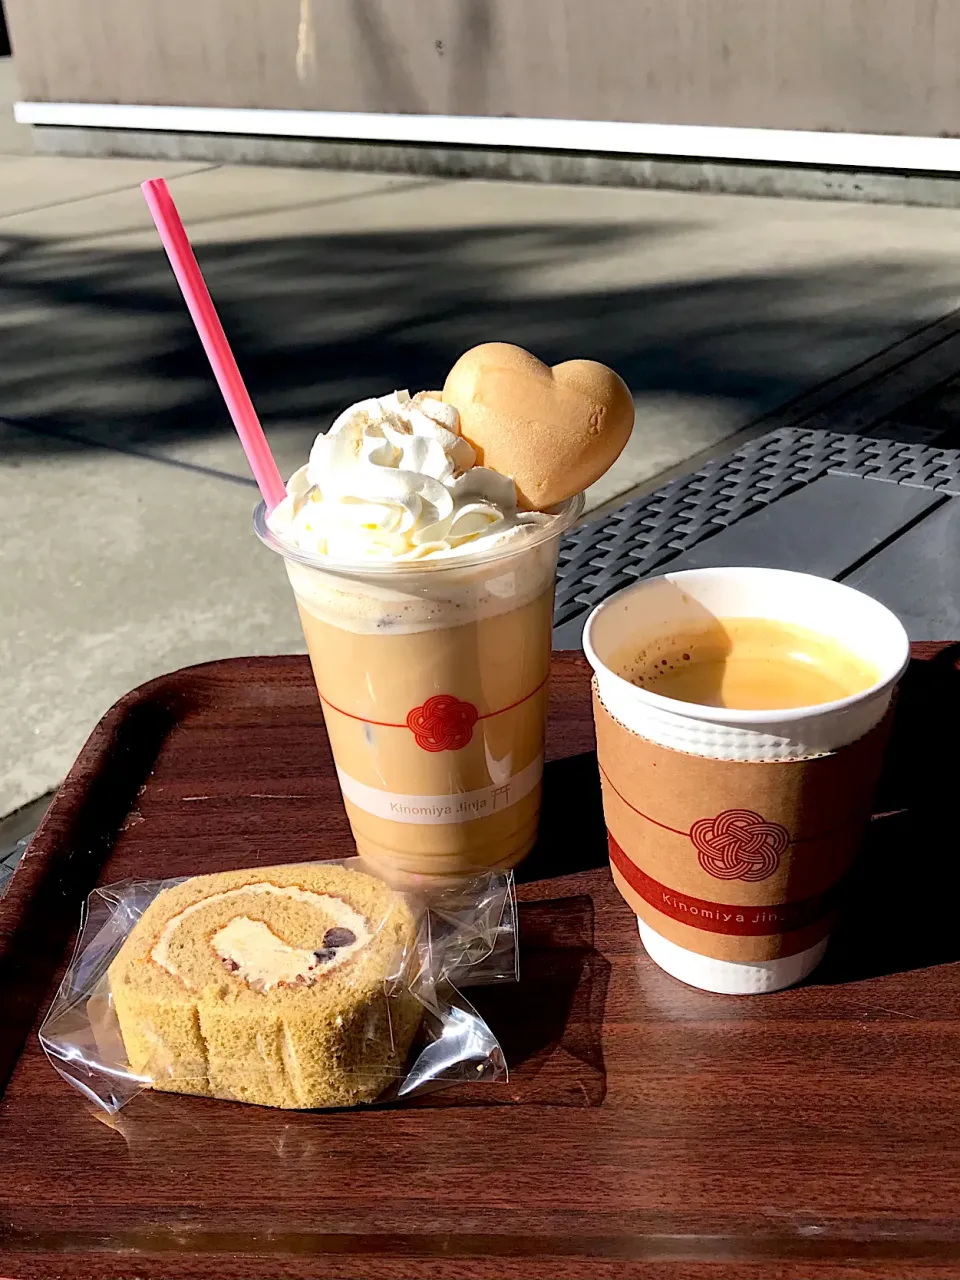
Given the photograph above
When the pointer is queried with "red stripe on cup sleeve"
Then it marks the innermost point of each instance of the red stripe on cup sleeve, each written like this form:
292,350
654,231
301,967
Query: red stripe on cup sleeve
723,917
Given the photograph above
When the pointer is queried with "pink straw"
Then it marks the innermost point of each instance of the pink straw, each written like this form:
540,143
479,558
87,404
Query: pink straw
198,300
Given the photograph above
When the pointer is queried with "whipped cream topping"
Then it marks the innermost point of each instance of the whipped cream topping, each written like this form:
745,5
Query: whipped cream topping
393,479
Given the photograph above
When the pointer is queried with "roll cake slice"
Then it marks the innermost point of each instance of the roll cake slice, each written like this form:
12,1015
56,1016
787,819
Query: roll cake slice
280,986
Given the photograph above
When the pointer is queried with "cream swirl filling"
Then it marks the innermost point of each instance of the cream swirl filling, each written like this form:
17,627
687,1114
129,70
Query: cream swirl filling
251,950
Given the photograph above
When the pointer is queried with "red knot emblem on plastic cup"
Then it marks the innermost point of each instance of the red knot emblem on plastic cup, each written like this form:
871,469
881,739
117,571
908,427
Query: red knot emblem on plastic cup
739,844
443,723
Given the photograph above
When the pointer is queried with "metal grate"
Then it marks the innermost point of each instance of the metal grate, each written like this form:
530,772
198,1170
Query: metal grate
599,558
8,863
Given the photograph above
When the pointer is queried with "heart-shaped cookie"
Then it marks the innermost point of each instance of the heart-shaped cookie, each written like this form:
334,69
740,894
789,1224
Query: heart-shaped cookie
555,431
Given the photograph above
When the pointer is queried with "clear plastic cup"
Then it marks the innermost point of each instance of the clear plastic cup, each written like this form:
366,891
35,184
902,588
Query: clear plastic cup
432,676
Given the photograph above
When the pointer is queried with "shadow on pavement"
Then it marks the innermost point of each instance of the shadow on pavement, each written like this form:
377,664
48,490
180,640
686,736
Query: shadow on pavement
98,347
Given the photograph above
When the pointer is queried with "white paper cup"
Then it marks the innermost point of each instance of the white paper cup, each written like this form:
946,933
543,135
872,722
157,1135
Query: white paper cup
669,605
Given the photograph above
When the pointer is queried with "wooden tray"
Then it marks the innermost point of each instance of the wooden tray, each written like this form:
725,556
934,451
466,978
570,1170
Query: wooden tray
648,1129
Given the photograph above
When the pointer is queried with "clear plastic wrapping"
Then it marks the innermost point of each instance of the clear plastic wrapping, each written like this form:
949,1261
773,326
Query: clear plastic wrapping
309,985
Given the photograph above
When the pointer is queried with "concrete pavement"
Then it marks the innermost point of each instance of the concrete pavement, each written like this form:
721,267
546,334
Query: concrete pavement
127,547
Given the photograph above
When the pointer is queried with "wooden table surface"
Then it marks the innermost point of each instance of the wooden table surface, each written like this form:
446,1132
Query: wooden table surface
647,1129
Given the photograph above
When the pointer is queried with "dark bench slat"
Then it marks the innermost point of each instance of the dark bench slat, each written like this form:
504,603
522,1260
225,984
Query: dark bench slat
803,499
824,528
918,576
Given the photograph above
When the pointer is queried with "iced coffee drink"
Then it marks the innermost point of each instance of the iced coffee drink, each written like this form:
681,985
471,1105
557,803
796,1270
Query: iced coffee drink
426,600
421,543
